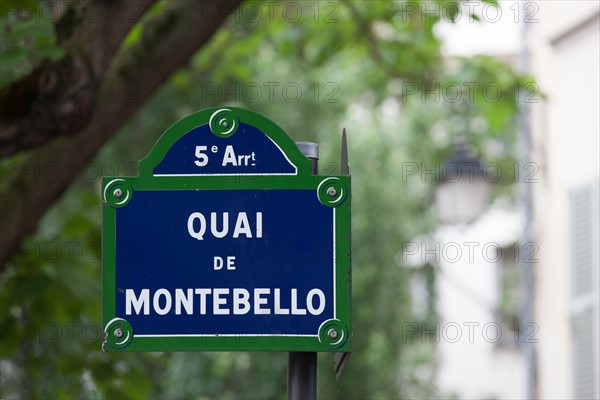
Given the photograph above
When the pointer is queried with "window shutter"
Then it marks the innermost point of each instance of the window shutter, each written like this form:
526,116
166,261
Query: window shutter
585,241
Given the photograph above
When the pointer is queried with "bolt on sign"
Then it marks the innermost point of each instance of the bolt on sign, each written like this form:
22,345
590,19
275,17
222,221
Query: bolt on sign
226,241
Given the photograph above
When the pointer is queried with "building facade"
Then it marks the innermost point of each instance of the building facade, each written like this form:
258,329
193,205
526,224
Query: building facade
564,50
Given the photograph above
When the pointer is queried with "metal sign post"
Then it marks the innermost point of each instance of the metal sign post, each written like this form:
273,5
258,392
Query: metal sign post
302,366
228,240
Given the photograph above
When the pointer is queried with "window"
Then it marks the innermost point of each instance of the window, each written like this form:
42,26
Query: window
584,241
508,300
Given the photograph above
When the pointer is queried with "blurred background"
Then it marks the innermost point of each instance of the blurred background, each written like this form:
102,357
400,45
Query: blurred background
473,135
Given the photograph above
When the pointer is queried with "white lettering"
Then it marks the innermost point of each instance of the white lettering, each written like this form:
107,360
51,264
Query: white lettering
190,225
231,263
242,160
259,301
218,301
229,157
138,303
309,301
186,300
241,297
242,301
259,225
295,309
203,293
156,302
242,226
213,225
217,263
278,309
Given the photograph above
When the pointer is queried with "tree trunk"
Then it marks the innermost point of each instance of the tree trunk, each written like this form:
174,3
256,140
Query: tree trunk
167,43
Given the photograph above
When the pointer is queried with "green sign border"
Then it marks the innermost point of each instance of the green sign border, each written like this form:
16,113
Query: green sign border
333,335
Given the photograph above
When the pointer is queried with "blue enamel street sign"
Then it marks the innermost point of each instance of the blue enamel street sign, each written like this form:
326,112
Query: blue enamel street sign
226,241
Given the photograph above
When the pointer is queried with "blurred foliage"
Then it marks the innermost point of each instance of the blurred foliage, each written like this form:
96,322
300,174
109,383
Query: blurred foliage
26,39
371,67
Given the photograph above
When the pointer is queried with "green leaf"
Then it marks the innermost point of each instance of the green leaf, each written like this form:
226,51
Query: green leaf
30,6
12,56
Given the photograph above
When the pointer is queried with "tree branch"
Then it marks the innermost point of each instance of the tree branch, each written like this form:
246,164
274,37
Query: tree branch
168,42
57,98
373,47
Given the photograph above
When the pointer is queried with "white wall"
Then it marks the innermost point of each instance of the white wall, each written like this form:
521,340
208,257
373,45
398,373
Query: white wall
467,288
565,147
475,366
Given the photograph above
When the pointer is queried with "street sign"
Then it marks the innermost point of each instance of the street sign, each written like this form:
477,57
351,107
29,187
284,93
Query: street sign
226,241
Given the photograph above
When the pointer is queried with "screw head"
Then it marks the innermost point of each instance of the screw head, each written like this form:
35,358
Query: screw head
118,193
331,192
332,333
118,333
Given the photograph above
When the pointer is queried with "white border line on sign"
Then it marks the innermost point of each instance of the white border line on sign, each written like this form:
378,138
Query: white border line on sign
223,335
242,174
334,270
257,335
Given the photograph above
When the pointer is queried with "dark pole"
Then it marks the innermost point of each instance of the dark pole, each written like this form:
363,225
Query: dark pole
302,366
302,375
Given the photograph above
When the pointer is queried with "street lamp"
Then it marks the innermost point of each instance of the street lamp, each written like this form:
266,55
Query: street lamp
462,190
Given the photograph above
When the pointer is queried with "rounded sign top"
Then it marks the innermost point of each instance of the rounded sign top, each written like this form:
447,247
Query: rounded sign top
224,141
